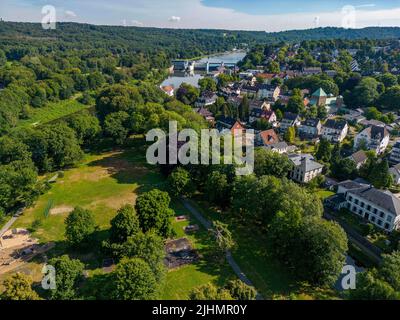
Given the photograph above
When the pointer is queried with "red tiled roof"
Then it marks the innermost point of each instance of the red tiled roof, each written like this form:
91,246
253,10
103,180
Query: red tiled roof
269,137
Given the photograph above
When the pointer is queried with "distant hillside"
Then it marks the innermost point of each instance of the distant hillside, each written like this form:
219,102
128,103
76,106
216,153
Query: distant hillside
175,42
376,33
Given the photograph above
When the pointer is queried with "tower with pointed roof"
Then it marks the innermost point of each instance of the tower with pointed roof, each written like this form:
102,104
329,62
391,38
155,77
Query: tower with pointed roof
319,97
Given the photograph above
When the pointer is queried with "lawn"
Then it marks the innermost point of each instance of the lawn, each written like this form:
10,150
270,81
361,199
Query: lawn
52,111
324,194
103,183
181,281
252,256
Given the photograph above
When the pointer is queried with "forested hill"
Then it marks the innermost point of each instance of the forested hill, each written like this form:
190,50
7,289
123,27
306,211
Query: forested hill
335,33
184,43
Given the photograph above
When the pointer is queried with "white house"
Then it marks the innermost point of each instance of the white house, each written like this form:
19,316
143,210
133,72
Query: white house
310,128
359,158
289,120
395,172
374,138
395,153
335,130
270,92
305,168
381,208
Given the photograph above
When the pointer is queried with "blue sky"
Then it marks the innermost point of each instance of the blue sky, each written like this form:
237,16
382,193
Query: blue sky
266,15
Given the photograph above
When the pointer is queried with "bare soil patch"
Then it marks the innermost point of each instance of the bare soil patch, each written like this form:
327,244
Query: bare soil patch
17,247
61,210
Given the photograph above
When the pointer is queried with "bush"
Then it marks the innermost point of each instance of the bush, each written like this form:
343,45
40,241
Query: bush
241,291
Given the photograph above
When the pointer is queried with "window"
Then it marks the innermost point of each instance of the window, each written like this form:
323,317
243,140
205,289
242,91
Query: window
375,211
369,208
389,218
387,226
382,214
379,222
373,219
356,201
350,198
360,212
355,209
362,204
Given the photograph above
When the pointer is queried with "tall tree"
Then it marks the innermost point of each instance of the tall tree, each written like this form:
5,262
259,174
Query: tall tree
68,274
18,287
134,280
154,212
79,226
124,224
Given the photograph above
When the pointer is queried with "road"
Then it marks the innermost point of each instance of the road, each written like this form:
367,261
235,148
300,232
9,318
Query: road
208,225
371,250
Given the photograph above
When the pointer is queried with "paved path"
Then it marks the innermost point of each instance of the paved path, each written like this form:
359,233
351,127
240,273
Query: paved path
7,226
371,250
10,222
208,225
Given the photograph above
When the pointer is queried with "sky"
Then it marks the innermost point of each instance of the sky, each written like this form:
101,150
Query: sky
262,15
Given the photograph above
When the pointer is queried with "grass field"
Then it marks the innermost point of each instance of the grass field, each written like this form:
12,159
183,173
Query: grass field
103,183
181,281
52,111
252,256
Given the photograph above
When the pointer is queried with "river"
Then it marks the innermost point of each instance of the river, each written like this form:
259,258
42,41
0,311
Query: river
177,78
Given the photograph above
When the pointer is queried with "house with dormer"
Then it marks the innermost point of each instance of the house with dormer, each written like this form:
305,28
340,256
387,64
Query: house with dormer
374,138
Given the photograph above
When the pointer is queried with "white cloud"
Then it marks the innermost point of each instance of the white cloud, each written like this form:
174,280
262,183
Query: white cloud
174,19
193,14
137,23
70,14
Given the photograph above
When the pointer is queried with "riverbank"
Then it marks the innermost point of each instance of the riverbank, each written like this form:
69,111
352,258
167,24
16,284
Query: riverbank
196,59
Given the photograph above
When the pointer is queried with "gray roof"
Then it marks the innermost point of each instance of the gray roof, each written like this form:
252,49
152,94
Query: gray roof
376,132
383,199
359,157
350,184
311,123
310,164
335,124
290,116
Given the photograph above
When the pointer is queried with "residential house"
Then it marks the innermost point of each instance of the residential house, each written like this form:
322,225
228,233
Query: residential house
359,158
289,120
305,168
354,66
270,141
168,90
355,116
268,115
381,208
270,92
235,101
310,128
266,77
259,105
206,114
395,153
267,138
207,98
252,91
374,138
395,172
311,71
228,124
335,130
